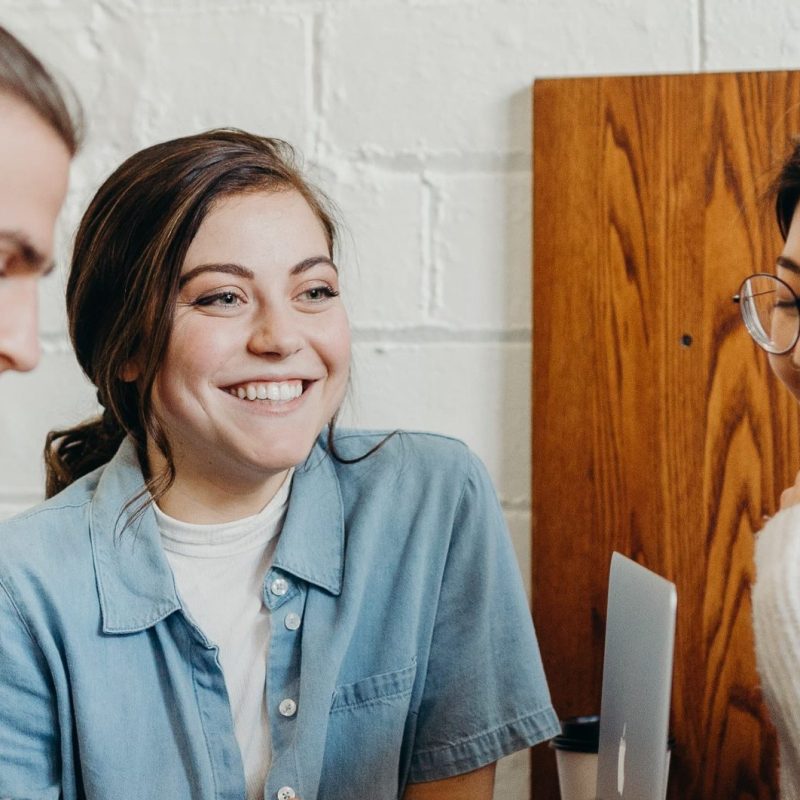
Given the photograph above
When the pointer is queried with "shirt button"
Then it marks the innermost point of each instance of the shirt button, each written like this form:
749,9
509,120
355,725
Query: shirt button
288,708
286,793
292,621
279,587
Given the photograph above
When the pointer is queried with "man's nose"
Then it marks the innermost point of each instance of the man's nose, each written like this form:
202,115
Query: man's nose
19,326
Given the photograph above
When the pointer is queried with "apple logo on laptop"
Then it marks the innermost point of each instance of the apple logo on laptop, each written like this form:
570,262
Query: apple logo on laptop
621,761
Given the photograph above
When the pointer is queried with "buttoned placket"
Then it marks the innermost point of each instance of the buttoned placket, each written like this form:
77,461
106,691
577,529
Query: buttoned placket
214,706
137,590
285,597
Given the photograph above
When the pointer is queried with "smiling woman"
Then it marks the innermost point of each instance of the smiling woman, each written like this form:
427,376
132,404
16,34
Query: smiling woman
264,606
771,311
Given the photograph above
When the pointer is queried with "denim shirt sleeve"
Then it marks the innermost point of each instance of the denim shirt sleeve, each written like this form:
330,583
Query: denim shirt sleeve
485,691
29,751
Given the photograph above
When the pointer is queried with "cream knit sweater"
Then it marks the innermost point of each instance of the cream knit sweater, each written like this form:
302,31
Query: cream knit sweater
776,623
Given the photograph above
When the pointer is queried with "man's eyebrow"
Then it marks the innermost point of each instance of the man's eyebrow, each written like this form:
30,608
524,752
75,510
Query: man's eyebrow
788,263
31,257
245,272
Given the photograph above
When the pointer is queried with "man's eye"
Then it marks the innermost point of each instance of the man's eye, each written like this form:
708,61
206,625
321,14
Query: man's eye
6,264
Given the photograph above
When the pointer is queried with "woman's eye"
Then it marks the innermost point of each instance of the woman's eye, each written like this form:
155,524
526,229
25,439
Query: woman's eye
317,294
785,306
220,300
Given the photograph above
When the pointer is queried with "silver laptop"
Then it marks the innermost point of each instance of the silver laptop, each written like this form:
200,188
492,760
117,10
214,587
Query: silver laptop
637,683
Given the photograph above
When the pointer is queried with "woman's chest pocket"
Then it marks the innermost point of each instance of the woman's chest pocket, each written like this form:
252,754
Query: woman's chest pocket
365,754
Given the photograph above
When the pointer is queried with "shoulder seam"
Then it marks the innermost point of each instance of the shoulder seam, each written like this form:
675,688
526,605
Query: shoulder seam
359,434
42,509
19,614
467,469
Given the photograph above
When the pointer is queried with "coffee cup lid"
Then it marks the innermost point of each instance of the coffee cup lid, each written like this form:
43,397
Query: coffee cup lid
582,735
578,734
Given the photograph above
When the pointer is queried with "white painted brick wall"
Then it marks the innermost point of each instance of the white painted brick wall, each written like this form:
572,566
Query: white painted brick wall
415,116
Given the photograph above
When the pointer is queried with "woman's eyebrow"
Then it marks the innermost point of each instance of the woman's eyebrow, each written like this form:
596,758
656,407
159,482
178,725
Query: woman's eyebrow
230,269
788,263
244,272
33,260
307,263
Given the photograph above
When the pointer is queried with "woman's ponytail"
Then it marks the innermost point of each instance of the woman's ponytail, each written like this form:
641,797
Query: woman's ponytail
71,453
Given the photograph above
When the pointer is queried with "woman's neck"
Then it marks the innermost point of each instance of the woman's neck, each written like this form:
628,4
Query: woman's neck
212,498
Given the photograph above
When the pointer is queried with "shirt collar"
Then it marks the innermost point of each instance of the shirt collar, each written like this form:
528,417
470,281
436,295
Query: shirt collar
133,577
134,580
311,545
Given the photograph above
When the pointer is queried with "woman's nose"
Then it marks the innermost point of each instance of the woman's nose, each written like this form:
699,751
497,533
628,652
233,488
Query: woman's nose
19,326
277,334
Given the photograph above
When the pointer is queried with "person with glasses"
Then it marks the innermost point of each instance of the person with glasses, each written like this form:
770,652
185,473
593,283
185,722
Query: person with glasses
38,138
770,308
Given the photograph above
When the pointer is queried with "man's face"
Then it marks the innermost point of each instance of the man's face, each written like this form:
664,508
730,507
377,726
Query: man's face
34,169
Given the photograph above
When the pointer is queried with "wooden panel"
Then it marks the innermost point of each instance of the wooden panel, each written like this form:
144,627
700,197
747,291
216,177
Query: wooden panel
657,427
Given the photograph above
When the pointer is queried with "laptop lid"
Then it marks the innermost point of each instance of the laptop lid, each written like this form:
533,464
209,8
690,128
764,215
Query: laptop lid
637,683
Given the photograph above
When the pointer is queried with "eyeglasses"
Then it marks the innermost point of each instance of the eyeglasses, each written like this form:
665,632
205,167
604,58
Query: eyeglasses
770,311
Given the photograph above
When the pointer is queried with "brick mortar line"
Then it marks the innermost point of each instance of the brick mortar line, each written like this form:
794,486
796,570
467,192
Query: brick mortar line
57,344
295,8
288,6
430,288
466,162
440,336
317,77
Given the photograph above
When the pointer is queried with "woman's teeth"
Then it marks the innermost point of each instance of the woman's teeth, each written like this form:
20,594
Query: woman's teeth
276,392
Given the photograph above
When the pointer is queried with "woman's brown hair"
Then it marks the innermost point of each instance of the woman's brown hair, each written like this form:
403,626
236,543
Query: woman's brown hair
123,281
785,189
23,76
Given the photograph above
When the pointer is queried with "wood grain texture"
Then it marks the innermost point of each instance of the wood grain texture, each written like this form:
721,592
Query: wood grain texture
658,429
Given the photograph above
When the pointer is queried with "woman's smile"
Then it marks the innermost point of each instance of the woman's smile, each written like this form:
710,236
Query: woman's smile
270,397
276,391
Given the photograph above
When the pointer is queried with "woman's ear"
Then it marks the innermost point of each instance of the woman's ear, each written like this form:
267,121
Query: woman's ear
130,371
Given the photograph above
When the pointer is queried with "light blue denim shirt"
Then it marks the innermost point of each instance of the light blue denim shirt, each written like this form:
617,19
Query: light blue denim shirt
415,658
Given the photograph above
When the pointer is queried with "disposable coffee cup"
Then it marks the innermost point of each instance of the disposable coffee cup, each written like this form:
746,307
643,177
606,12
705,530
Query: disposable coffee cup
576,757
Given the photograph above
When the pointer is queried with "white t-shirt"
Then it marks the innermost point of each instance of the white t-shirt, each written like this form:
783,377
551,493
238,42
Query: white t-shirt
219,572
